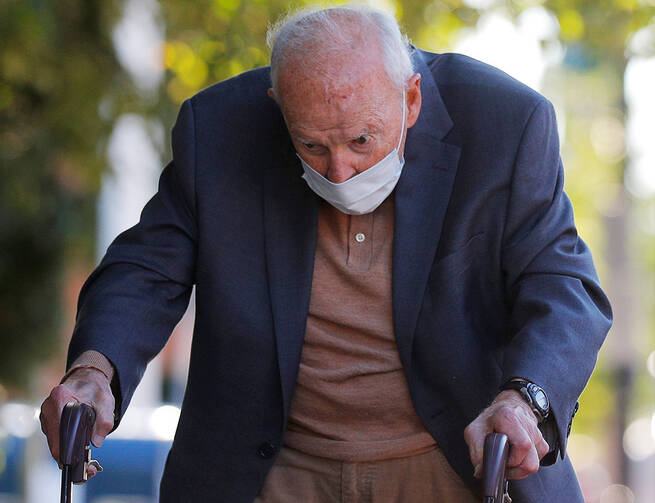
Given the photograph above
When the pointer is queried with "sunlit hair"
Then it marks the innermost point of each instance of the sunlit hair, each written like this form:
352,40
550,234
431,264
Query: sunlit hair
297,36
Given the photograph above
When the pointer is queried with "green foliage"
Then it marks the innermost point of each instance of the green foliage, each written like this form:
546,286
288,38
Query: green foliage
603,30
602,26
211,40
55,65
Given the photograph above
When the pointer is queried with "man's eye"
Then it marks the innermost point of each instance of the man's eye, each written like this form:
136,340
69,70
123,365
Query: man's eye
309,146
363,140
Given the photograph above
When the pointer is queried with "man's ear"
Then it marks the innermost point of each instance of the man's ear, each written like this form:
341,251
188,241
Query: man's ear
271,94
413,99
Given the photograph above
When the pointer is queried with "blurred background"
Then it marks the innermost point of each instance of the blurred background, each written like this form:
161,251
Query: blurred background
88,93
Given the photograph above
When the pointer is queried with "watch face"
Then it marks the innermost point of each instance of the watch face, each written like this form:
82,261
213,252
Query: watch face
540,399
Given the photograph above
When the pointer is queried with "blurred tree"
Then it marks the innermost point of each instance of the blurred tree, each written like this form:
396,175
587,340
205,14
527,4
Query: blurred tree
211,40
601,32
56,63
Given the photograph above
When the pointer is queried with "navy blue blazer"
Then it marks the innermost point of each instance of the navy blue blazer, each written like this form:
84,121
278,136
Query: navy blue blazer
490,278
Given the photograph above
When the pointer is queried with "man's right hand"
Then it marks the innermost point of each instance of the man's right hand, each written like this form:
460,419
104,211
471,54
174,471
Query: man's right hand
85,385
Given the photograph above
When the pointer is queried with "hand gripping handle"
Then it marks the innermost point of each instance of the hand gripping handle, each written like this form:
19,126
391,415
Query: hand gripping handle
496,452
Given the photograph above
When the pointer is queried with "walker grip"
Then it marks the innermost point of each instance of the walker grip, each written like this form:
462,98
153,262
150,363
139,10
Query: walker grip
75,430
496,452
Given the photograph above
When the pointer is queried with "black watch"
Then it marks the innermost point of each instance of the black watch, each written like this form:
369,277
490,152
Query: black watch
534,395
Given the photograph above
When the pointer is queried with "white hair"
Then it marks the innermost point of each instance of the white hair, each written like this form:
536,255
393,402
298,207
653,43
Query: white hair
298,35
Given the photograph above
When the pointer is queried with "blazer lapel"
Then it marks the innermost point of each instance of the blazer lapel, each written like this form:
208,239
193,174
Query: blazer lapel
290,216
421,200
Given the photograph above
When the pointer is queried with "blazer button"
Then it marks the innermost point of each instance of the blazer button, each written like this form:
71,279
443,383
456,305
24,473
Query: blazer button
266,450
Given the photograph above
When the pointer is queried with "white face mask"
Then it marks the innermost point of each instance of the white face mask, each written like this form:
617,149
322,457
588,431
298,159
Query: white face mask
365,191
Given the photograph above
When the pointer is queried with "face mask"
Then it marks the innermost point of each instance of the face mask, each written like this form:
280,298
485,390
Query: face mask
365,191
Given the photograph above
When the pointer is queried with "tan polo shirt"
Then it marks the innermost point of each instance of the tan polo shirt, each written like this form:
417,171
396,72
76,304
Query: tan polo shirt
351,401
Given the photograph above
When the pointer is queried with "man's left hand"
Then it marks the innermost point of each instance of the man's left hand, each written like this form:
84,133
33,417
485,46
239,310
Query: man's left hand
511,415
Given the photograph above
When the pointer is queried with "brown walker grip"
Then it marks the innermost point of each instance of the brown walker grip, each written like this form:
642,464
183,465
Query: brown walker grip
75,431
496,452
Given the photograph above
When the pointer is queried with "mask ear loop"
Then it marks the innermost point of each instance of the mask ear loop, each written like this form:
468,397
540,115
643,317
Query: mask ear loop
402,127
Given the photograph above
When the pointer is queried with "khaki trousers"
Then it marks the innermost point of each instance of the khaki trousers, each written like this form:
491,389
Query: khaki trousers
425,478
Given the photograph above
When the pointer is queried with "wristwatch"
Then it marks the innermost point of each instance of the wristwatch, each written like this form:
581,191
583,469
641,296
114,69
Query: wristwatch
534,395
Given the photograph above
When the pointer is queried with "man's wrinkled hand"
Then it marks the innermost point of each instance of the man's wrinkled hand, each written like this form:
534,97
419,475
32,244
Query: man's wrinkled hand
85,386
511,415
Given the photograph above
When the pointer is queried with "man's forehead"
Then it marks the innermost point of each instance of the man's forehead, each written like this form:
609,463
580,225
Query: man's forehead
321,90
333,73
321,104
334,85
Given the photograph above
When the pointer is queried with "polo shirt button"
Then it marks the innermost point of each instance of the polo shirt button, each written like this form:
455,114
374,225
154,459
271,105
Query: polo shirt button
266,450
359,237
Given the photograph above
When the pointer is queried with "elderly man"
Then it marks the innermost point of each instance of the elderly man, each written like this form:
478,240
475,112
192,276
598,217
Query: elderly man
387,269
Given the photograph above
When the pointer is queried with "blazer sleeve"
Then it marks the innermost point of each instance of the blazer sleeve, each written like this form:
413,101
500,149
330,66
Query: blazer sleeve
131,302
559,316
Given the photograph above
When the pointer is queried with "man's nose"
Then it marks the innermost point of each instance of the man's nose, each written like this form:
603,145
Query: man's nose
341,168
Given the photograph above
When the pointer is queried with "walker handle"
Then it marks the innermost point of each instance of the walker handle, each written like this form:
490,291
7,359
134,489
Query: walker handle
75,431
496,452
